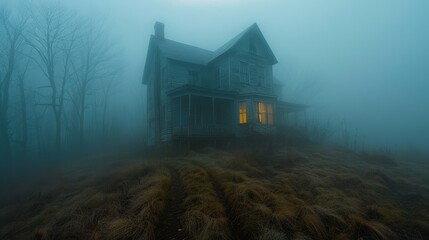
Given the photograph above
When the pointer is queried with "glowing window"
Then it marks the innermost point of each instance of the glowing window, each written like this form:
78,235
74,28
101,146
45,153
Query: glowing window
242,112
265,113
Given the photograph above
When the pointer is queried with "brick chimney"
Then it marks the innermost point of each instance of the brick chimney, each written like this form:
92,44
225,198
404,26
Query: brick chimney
159,30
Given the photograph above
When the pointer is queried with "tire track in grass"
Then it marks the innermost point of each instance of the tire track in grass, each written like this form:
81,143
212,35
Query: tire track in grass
170,227
234,223
205,216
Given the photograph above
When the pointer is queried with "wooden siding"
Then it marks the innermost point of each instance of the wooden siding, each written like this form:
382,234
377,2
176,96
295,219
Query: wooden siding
175,74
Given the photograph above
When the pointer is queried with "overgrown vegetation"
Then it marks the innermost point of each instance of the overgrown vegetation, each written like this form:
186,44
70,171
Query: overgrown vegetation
293,194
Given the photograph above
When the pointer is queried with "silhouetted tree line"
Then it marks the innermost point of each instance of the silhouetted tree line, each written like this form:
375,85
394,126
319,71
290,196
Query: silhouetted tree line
58,72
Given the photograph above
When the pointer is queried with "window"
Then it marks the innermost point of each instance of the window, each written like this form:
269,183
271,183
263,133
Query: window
242,112
193,77
244,72
265,113
217,75
260,71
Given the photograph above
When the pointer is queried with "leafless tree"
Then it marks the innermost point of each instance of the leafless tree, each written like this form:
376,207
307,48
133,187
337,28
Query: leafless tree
23,102
12,29
53,36
92,66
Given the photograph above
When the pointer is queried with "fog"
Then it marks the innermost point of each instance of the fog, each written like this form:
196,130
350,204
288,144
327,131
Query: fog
367,62
332,142
360,63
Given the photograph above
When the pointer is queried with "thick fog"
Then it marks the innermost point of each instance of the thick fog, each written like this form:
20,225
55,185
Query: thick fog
361,64
363,61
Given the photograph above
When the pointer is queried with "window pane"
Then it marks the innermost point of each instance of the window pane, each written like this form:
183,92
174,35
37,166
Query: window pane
270,113
244,72
242,112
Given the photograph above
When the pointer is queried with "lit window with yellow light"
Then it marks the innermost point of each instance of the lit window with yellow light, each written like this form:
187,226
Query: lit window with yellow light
242,110
265,113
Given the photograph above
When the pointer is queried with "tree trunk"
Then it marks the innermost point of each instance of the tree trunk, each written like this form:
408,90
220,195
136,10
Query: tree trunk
82,117
5,149
24,127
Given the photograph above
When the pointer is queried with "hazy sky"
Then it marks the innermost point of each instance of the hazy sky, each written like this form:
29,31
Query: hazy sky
368,60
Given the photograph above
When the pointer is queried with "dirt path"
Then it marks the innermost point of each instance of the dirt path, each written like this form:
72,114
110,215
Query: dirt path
170,227
231,217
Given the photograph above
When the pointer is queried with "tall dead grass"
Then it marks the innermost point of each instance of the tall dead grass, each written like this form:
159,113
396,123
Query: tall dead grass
205,216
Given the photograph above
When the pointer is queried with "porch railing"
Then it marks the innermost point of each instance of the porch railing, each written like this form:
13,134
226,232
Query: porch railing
202,130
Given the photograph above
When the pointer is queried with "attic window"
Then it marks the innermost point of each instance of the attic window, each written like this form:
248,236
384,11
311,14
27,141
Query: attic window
244,72
193,77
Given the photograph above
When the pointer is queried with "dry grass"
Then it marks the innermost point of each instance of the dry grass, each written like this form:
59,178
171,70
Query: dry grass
128,205
311,194
205,216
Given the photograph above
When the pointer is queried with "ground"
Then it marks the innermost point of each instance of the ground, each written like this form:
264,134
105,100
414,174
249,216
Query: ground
285,193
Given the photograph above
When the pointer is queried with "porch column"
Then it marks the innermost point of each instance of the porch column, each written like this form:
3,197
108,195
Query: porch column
180,112
189,113
213,108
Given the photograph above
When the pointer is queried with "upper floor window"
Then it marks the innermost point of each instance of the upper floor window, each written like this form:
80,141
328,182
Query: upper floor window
242,112
193,77
265,113
244,72
260,71
217,75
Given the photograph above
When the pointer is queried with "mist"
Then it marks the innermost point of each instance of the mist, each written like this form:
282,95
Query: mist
362,61
214,119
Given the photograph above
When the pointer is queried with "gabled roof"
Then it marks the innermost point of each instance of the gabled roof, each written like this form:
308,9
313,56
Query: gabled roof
233,42
184,52
291,107
191,54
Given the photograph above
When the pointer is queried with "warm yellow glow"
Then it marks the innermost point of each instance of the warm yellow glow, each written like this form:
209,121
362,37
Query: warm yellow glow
262,113
265,113
242,112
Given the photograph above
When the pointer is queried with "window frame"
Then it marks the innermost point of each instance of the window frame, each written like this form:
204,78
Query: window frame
265,113
193,77
241,73
242,112
217,75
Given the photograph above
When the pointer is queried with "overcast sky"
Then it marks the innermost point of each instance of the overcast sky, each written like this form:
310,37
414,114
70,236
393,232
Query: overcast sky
367,60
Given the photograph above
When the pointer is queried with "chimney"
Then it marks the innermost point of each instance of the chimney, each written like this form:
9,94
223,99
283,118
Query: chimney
159,30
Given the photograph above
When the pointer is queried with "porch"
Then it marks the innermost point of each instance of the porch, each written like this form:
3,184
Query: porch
201,116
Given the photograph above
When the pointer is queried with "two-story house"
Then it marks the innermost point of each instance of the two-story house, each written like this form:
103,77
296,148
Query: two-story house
197,93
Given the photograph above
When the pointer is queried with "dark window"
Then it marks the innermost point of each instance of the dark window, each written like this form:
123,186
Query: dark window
193,77
260,71
217,75
244,72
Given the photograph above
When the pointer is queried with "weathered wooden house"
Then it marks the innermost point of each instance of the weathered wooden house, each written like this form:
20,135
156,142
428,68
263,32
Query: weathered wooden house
197,93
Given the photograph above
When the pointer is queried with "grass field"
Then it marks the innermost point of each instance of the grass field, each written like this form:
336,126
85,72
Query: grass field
288,194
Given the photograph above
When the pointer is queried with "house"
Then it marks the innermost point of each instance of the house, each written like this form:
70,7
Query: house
197,93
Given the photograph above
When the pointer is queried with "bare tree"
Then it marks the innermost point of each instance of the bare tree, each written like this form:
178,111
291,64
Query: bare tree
93,66
13,32
53,36
23,101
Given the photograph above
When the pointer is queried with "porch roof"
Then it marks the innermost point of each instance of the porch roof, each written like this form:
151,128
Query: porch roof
291,107
201,91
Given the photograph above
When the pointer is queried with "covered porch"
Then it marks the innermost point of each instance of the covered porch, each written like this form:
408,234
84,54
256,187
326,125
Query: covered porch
195,115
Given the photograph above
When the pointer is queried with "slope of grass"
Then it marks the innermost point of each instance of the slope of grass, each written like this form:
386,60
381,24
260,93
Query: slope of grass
289,194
